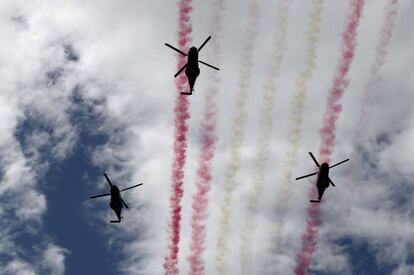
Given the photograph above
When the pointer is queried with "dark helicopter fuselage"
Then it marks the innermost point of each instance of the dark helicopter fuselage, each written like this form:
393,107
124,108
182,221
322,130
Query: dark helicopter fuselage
116,203
192,70
191,67
323,179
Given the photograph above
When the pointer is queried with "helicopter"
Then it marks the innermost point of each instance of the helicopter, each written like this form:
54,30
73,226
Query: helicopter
117,202
191,67
323,180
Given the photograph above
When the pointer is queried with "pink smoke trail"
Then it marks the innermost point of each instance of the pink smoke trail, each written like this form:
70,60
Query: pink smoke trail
385,38
208,141
364,116
380,58
332,111
180,142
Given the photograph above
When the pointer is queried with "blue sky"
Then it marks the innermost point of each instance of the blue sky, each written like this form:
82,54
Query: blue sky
88,88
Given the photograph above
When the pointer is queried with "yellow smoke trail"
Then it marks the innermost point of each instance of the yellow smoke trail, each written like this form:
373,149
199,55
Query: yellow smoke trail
296,118
265,127
237,137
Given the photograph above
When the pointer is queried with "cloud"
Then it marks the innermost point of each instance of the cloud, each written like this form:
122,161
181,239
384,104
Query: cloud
141,148
54,260
35,130
101,66
17,267
403,269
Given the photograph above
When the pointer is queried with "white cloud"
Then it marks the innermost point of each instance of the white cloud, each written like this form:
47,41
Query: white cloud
123,65
34,127
17,267
403,270
54,260
148,148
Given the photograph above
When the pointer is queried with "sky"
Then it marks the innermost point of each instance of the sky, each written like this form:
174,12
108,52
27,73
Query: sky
88,87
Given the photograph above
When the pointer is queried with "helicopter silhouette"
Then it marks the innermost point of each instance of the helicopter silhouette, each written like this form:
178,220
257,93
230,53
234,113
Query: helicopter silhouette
117,202
191,67
323,181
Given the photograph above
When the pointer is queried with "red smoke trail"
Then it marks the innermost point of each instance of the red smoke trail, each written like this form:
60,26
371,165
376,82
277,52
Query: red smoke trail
180,142
385,39
380,58
208,141
332,111
364,116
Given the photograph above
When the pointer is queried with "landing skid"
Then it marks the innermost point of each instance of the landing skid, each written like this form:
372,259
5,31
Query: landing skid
116,221
187,93
316,201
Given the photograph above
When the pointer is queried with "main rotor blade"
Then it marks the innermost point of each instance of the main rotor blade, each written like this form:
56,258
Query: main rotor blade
332,182
103,195
339,163
314,159
205,42
109,181
211,66
175,49
306,176
180,70
131,187
123,202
